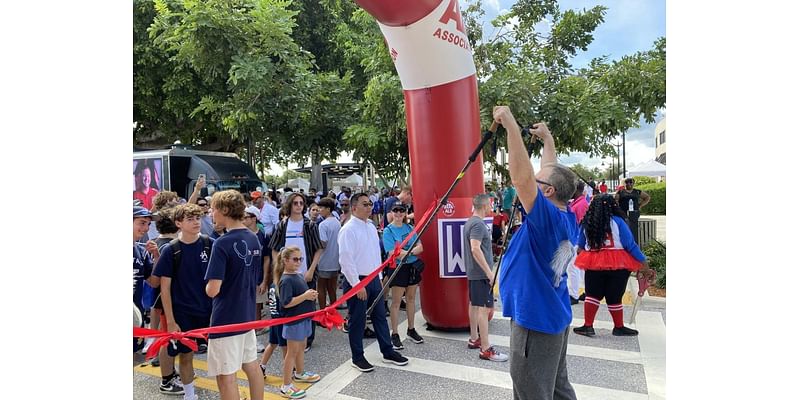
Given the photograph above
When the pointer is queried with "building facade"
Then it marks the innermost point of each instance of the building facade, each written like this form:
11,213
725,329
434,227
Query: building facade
661,140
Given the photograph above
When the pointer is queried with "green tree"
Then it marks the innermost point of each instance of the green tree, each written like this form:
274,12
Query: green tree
253,89
531,71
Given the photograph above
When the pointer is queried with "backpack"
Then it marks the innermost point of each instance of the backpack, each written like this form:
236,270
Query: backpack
175,244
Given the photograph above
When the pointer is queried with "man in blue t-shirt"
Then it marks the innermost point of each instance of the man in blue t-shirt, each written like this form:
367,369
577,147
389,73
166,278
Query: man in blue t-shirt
533,279
232,269
186,305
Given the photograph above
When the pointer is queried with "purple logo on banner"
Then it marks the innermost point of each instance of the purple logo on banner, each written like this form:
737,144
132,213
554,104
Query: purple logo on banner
451,251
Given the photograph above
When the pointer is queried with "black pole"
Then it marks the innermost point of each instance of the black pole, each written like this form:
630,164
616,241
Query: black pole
486,136
506,239
624,163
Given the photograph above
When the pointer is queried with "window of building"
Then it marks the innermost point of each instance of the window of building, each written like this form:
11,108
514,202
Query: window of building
663,137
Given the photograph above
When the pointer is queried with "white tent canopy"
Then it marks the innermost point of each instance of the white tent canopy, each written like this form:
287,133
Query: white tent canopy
650,168
298,183
355,179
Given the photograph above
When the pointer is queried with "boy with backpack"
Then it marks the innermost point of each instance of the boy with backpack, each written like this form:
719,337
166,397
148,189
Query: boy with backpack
182,269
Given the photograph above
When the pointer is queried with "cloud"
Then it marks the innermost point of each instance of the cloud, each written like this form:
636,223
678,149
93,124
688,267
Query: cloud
495,4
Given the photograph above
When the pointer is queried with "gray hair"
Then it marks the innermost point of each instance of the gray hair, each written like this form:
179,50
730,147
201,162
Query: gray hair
481,200
564,181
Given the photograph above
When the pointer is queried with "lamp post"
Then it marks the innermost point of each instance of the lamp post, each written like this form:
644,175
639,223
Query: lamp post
624,170
616,175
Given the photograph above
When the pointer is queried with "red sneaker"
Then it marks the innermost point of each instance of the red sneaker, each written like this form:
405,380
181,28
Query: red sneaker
474,344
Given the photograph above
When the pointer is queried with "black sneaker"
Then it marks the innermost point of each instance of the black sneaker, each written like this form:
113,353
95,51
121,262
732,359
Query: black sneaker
263,370
363,366
582,297
171,387
414,336
624,331
402,304
584,330
572,301
369,333
397,344
395,358
154,362
346,326
202,348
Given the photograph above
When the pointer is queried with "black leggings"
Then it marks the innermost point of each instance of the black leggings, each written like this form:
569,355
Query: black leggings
608,283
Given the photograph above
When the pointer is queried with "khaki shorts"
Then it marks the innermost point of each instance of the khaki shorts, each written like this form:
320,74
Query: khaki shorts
226,355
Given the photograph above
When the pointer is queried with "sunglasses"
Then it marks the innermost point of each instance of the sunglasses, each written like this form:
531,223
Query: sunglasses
399,210
546,183
296,259
202,204
298,203
367,204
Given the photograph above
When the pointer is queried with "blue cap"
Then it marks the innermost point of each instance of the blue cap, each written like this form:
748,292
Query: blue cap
139,212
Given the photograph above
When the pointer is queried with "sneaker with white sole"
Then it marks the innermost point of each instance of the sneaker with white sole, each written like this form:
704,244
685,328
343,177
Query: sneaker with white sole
307,377
291,392
492,354
172,387
395,358
363,366
397,344
414,336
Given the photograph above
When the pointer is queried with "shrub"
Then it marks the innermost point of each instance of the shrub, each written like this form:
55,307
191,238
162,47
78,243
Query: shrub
657,259
658,198
643,180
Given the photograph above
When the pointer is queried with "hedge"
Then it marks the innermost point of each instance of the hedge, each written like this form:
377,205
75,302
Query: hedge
658,198
657,259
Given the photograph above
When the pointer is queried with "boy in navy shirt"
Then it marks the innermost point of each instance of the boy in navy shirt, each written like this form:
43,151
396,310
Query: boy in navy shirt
186,305
142,261
231,275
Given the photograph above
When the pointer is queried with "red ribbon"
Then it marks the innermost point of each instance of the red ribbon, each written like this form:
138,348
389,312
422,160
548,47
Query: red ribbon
327,317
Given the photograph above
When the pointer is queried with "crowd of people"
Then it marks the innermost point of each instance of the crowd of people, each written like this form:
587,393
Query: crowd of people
239,257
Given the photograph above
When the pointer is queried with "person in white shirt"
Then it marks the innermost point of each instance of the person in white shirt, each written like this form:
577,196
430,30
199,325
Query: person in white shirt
360,255
268,217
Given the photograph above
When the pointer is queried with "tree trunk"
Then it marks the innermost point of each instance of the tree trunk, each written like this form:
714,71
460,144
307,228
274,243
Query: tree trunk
316,171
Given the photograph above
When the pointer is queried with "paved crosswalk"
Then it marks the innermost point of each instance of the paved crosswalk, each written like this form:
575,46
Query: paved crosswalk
602,367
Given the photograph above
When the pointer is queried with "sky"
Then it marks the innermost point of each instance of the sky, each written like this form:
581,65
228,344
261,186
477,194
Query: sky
630,26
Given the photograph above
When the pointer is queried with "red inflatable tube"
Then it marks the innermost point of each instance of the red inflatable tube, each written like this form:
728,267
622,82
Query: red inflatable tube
428,43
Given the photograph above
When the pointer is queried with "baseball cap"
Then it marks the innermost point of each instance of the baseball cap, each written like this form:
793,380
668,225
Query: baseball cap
252,210
399,205
255,195
140,212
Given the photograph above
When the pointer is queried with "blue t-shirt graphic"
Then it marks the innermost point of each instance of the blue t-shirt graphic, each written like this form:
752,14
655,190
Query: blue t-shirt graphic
235,256
188,288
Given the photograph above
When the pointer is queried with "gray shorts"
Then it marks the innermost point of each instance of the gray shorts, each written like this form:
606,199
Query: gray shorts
327,274
480,293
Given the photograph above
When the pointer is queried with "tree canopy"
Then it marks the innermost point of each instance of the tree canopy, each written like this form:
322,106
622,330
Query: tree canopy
287,80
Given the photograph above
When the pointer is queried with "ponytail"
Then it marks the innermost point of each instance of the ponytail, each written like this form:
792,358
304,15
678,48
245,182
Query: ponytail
285,253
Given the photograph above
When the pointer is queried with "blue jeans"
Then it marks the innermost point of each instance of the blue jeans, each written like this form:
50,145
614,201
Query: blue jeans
358,320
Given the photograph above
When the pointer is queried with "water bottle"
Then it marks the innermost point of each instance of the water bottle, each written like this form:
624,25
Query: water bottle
630,205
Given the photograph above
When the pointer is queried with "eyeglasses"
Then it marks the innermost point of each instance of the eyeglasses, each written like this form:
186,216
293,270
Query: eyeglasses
249,216
296,259
367,204
298,203
202,204
399,210
546,183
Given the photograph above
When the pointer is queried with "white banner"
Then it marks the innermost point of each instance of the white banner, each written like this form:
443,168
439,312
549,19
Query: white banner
432,51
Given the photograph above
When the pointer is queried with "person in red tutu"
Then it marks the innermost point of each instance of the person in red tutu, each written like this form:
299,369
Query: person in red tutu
608,254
